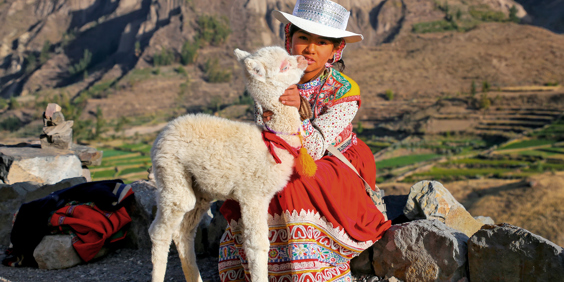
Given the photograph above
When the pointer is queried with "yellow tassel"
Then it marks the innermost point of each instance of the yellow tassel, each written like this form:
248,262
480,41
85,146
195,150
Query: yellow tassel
305,165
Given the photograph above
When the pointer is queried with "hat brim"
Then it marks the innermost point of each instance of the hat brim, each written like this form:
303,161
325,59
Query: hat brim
317,28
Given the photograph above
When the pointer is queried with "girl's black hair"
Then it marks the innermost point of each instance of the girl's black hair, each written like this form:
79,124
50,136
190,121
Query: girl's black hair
338,65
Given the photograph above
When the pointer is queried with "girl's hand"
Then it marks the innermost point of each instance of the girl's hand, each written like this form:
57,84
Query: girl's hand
290,97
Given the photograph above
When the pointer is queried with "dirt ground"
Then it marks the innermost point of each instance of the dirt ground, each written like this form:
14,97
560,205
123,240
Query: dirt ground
120,265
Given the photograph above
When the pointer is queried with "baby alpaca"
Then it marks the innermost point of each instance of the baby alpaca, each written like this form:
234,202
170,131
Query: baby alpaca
198,158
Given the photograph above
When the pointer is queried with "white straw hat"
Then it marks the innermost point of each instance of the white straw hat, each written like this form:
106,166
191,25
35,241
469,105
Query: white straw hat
321,17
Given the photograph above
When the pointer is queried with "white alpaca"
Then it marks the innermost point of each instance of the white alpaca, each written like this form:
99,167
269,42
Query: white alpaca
198,158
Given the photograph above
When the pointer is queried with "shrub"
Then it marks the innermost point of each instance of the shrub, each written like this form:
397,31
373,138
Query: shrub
487,15
435,26
137,48
164,58
473,88
44,55
10,124
513,15
180,70
485,86
189,52
31,63
213,30
215,104
389,95
13,104
3,104
246,99
82,64
214,72
100,122
484,102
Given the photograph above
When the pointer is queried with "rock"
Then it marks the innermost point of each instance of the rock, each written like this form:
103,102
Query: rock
485,220
391,279
87,155
210,230
144,208
45,190
57,136
13,196
45,166
216,228
421,250
395,205
86,174
362,265
142,212
56,252
431,200
51,109
57,118
510,253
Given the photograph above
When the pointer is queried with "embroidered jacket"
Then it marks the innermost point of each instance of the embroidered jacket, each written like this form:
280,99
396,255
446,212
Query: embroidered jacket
335,99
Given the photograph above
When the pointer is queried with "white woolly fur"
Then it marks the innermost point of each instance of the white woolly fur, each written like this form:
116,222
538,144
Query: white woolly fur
198,158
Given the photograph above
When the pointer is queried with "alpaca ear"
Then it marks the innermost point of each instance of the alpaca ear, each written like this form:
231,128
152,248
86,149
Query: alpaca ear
255,69
240,54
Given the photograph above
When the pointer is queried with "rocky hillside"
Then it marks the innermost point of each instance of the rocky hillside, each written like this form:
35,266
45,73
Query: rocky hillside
142,58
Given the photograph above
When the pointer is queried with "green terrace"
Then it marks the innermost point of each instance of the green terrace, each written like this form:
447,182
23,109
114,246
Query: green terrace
128,161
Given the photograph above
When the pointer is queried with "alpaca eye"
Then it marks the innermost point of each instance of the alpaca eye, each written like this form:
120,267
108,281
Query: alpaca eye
285,69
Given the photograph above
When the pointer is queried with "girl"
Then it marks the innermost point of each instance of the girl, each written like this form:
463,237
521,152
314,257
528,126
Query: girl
316,225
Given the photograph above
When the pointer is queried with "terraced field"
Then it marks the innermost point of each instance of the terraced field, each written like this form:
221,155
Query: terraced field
537,152
128,162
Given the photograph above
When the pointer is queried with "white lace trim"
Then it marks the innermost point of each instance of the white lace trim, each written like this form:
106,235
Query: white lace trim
314,218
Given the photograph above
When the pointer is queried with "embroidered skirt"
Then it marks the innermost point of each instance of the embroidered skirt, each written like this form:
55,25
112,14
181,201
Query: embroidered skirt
316,225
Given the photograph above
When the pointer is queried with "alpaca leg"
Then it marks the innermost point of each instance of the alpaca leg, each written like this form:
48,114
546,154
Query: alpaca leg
254,214
184,240
175,199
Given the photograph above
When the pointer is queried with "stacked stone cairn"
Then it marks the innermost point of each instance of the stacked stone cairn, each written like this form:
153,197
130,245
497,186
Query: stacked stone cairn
57,133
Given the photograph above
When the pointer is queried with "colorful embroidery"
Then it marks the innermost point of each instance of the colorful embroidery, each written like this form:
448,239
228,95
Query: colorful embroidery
303,247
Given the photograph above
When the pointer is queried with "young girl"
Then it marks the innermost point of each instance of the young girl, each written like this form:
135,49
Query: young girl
316,225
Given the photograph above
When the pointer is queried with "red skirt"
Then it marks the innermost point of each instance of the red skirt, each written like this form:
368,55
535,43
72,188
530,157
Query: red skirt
316,225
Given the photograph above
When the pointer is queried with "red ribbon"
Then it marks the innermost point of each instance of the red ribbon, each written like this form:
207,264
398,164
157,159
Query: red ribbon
271,140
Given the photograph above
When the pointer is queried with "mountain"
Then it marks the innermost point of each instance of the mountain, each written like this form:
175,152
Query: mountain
160,58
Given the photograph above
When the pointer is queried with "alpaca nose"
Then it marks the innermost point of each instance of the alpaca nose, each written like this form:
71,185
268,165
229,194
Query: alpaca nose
302,62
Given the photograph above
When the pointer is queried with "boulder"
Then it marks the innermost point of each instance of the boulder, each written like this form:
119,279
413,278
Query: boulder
431,200
210,230
31,163
56,252
13,196
421,250
144,208
87,155
215,229
485,220
142,211
395,205
510,253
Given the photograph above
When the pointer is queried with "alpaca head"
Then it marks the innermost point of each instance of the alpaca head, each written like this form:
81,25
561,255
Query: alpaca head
269,71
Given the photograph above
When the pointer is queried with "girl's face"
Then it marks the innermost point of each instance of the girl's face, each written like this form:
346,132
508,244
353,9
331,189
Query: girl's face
317,51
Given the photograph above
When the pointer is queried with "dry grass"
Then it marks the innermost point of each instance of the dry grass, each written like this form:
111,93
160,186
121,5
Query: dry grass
534,204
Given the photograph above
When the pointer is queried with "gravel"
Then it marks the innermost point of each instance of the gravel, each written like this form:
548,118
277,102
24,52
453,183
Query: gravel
119,265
